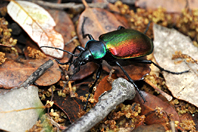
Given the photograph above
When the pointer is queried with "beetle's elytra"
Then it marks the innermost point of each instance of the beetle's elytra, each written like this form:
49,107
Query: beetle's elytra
127,43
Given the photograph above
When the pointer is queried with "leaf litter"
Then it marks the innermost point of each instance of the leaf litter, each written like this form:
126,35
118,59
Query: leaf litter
167,42
188,65
12,117
38,24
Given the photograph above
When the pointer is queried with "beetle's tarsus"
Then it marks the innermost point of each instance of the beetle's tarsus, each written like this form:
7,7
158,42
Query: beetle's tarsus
82,27
85,107
162,69
83,31
89,35
176,72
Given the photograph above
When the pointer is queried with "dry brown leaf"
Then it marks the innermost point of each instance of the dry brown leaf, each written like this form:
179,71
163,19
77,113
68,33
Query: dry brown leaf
99,21
14,73
150,128
167,42
171,6
65,26
152,103
38,24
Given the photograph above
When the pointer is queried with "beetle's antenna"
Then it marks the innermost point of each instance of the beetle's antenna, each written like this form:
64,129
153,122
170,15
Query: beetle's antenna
76,55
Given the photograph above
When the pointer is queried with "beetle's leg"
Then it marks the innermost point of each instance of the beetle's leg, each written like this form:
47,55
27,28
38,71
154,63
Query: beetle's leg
120,27
81,49
147,27
91,88
83,32
130,80
162,69
89,35
82,27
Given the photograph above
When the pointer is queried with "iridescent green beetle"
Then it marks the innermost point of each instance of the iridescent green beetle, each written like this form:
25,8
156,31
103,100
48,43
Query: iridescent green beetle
112,46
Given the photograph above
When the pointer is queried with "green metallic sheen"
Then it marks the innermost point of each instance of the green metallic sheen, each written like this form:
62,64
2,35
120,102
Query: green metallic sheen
127,43
98,51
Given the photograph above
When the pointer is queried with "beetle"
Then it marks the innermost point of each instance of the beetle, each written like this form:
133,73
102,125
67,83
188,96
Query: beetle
111,47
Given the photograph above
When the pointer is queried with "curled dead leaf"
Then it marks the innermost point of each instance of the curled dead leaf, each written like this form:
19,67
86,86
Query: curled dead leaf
38,24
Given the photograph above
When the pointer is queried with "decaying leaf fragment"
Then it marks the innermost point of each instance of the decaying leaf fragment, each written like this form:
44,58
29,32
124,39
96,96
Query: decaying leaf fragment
14,73
38,24
167,42
13,116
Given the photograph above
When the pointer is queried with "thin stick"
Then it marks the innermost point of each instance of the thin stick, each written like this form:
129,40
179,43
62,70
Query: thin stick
75,37
35,75
167,96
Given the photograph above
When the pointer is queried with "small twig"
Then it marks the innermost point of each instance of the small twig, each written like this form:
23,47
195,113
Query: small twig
75,37
58,126
167,96
172,126
35,75
121,90
70,5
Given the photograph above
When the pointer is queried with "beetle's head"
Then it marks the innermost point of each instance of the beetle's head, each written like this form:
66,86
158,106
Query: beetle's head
83,58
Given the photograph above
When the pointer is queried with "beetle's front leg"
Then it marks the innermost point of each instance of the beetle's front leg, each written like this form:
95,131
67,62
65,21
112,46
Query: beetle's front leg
130,80
98,73
89,35
83,31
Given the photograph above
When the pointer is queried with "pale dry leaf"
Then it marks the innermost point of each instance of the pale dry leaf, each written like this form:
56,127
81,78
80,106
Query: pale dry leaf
38,24
17,99
166,43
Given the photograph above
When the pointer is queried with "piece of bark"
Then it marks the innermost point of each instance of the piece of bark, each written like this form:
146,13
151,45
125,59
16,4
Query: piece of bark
121,90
